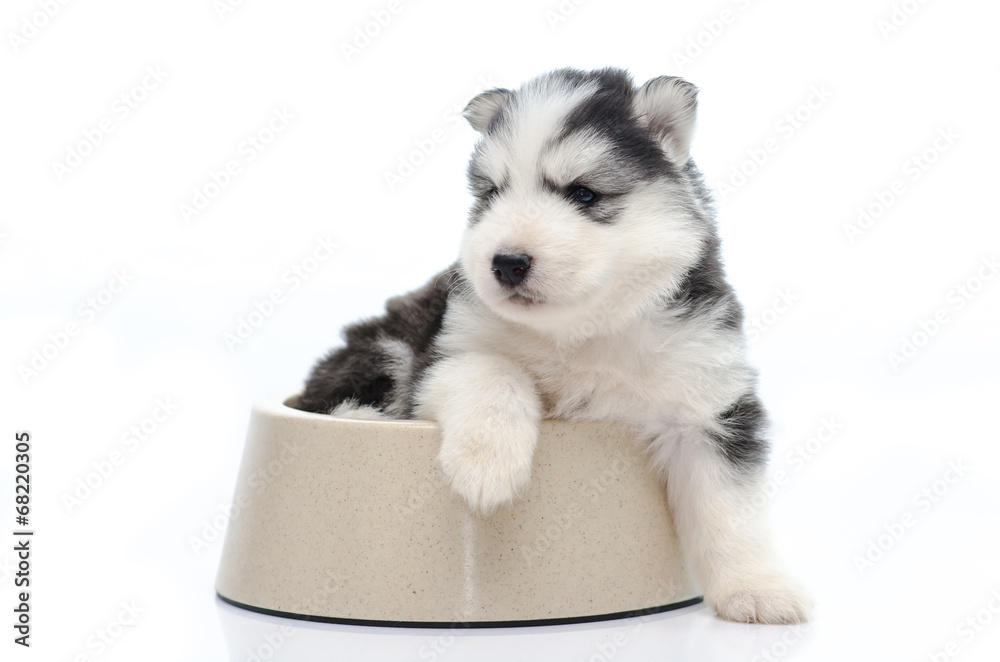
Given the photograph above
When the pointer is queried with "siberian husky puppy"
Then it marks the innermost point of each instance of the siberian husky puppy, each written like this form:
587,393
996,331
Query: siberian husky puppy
589,287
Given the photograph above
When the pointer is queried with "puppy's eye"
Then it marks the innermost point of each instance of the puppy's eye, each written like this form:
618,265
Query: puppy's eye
491,192
583,195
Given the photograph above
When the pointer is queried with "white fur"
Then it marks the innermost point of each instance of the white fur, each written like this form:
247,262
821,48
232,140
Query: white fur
667,105
731,554
351,409
492,413
590,338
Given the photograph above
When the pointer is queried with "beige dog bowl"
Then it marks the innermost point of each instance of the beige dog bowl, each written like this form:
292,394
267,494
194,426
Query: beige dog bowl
351,521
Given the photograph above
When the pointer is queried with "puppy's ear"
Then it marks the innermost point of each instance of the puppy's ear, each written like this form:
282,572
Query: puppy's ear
667,105
484,107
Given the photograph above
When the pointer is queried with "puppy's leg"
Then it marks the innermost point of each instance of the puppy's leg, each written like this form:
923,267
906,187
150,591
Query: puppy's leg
489,413
710,487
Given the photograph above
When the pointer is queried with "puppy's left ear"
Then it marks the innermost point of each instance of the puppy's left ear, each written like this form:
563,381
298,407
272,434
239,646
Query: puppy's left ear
484,107
667,105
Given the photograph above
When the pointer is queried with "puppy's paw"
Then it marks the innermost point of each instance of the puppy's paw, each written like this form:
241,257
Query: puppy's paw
488,467
771,598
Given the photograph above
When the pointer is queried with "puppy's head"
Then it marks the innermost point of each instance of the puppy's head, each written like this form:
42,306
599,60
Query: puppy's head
582,213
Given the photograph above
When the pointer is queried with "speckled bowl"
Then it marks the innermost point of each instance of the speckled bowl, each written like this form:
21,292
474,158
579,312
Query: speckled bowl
352,521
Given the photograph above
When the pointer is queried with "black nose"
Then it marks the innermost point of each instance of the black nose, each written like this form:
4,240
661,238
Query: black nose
511,269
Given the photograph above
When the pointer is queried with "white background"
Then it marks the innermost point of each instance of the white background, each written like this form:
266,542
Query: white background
879,98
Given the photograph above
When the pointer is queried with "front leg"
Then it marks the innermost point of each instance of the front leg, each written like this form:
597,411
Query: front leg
713,471
488,412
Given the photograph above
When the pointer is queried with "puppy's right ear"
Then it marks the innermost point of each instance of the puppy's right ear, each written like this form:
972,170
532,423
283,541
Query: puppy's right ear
484,107
667,105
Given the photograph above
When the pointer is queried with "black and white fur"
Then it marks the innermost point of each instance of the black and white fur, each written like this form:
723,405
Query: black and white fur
589,286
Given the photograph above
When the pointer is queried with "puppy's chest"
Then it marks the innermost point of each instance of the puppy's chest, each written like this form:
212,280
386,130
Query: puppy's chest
607,379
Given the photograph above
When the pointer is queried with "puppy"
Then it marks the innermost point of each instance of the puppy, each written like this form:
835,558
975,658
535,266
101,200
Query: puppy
589,286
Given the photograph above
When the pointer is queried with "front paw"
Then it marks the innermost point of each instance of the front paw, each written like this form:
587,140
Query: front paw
769,597
488,466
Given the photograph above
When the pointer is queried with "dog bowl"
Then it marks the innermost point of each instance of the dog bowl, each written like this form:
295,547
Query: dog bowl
352,521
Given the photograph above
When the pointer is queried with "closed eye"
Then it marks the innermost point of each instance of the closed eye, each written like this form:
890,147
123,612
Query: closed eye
483,187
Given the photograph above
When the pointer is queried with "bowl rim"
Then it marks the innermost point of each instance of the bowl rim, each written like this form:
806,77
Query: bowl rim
279,406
